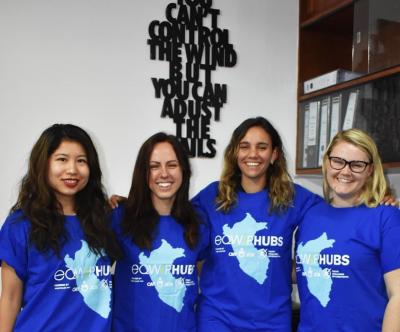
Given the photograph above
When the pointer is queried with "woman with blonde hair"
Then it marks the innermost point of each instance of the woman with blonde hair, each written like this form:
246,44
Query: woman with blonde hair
375,187
252,213
348,253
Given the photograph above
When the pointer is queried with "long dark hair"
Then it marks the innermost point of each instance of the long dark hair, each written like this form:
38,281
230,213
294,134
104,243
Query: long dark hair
279,182
141,218
39,204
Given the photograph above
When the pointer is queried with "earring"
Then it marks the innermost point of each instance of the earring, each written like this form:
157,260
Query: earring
272,161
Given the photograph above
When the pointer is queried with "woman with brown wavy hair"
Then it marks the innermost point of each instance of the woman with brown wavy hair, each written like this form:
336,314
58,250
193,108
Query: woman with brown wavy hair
252,213
56,246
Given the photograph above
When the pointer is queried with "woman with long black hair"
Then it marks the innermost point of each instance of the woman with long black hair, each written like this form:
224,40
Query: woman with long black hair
57,246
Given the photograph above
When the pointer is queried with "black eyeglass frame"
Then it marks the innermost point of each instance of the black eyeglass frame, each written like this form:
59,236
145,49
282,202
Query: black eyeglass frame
350,163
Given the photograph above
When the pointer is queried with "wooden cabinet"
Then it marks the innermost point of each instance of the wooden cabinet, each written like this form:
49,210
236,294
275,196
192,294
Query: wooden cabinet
361,37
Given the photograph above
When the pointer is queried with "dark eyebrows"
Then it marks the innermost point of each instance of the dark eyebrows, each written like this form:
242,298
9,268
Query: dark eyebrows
263,144
155,162
67,154
244,143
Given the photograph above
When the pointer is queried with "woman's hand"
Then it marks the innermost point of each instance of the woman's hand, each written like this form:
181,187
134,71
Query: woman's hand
390,200
115,199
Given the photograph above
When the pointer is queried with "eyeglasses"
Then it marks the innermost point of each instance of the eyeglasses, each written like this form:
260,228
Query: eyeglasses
356,166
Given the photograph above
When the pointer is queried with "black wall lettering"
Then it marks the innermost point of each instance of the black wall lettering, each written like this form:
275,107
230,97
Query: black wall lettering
193,44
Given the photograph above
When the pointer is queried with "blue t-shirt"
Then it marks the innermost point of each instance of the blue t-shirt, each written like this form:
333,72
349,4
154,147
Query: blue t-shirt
69,293
342,255
156,290
246,278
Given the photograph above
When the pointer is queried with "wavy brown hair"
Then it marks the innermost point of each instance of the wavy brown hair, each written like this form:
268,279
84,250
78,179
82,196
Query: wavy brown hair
39,204
141,218
279,183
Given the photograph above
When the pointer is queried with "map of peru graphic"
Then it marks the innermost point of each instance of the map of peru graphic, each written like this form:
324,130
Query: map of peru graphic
96,293
319,281
252,261
170,289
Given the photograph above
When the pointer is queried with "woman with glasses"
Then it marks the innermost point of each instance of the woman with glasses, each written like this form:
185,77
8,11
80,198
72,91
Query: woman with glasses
348,252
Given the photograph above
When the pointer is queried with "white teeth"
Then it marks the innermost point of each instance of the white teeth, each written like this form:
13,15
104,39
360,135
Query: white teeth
70,181
344,180
252,164
164,184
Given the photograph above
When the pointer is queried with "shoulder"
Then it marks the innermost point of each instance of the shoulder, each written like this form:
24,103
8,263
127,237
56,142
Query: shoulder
389,215
388,210
118,212
211,188
304,196
14,234
117,215
208,193
302,191
204,201
16,221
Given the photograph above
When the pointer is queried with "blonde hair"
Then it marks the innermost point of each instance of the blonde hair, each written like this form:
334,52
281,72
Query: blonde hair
279,182
375,187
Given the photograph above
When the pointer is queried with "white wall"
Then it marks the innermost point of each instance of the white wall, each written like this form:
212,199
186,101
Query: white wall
87,62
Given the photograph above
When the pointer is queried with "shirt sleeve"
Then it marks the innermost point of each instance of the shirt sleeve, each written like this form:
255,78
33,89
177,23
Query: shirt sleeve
204,240
390,240
304,200
116,219
201,203
14,241
205,200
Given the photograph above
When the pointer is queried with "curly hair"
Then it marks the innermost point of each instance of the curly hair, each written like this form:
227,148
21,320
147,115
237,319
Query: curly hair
279,183
40,206
141,218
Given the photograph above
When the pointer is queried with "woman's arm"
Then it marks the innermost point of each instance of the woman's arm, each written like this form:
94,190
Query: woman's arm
199,266
391,320
294,276
11,297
